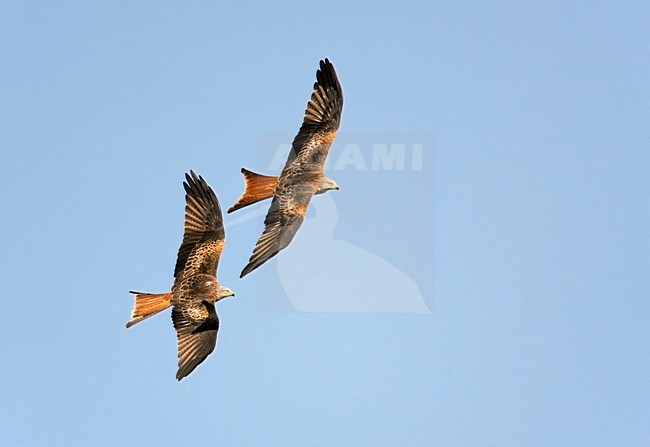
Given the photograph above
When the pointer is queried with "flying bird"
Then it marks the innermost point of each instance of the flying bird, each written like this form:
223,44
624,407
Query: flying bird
195,288
302,176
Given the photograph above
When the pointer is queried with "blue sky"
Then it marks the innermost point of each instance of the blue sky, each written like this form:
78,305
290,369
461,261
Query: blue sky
526,230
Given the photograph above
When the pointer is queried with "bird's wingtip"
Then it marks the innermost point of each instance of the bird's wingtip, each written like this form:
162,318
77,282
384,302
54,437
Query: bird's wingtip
246,271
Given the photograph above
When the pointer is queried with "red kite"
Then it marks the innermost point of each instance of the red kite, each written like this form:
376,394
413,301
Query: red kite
302,176
195,288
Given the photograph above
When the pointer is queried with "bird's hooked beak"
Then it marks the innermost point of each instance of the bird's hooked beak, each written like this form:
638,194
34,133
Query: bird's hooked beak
225,293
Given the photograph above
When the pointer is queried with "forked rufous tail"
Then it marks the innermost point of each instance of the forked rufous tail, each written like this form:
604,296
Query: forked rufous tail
257,187
147,305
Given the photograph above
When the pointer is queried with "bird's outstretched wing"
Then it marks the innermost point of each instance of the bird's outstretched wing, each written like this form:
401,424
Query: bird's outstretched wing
283,220
196,334
321,120
204,236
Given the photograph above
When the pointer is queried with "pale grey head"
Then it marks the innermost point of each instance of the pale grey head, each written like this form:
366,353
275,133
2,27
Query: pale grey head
325,185
203,284
223,292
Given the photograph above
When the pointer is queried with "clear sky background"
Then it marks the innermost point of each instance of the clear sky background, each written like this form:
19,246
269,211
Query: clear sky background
530,244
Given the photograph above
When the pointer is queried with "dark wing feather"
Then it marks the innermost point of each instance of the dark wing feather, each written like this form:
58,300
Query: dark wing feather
196,334
204,235
284,218
322,116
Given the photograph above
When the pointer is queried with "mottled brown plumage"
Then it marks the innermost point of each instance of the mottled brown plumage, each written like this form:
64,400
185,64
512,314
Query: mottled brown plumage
302,176
195,288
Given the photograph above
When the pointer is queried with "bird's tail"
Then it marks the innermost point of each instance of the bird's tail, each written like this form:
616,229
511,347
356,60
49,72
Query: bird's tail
147,305
256,187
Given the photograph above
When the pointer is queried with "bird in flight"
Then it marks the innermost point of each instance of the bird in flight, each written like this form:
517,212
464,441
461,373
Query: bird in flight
302,176
195,288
